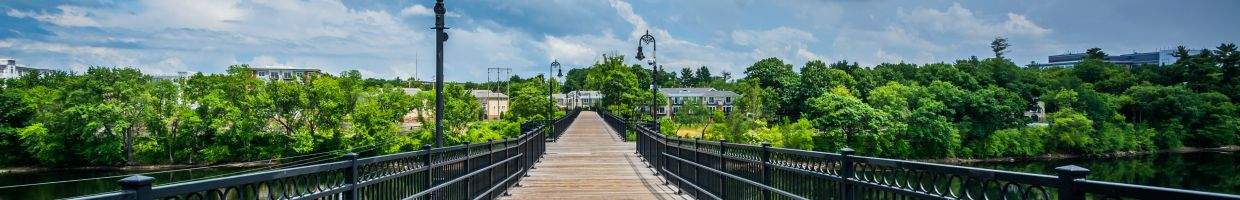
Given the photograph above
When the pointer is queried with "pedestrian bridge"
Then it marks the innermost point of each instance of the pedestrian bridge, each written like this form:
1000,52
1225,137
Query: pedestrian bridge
584,156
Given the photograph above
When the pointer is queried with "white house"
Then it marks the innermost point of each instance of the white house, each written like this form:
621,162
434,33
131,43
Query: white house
10,69
286,73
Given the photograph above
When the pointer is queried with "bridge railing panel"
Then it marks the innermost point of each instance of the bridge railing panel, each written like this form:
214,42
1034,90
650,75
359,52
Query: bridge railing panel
722,170
467,171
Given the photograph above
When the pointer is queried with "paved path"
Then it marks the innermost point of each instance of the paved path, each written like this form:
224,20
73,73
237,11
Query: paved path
590,162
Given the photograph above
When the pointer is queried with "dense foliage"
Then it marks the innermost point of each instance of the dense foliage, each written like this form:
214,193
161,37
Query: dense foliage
975,107
114,116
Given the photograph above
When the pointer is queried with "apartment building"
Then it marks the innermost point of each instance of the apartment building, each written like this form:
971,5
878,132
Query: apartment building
494,104
677,97
285,73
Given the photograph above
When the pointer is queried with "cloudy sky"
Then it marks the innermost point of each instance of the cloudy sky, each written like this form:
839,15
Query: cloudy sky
383,38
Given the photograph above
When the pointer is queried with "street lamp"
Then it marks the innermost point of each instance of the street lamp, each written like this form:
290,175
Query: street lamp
654,71
440,37
555,65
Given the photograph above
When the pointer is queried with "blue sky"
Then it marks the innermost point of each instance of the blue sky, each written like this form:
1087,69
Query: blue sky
389,38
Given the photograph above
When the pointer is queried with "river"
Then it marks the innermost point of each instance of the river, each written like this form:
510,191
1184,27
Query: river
79,188
1208,171
1205,171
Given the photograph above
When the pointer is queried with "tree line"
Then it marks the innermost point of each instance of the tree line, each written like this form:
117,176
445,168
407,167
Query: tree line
970,108
118,116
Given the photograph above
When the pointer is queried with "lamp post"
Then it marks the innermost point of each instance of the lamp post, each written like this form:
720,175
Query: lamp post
440,37
648,39
555,65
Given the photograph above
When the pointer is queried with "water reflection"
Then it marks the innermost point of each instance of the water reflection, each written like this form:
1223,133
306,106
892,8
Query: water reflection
1209,171
79,188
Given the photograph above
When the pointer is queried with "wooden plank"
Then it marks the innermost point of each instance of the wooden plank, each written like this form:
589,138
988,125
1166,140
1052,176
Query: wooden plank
591,162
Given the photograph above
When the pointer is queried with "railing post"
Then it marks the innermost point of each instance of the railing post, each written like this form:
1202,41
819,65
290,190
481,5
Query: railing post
766,169
697,159
351,177
490,161
468,169
430,171
1068,175
723,167
137,186
846,172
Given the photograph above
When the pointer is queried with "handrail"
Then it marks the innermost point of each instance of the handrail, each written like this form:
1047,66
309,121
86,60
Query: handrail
722,170
466,171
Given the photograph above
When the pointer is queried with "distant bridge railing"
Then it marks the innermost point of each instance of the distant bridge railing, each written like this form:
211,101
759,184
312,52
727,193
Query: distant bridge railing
722,170
467,171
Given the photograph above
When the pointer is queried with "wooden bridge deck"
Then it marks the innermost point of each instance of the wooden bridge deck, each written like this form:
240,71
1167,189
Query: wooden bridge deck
590,162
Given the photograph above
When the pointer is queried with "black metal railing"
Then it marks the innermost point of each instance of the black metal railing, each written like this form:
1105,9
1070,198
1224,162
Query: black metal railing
560,125
467,171
722,170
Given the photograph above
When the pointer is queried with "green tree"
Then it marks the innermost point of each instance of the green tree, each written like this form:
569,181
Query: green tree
772,74
1095,53
999,46
1072,131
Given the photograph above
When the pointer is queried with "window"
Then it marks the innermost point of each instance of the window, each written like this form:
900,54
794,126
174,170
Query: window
262,73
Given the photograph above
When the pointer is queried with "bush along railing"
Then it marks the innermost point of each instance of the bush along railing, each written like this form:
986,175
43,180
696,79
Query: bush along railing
467,171
722,170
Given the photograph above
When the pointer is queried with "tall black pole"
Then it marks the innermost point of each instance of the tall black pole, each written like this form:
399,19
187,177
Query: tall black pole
654,73
440,37
551,92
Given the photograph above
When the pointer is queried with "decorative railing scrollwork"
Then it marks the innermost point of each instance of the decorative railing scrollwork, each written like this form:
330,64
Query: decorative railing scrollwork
722,170
467,171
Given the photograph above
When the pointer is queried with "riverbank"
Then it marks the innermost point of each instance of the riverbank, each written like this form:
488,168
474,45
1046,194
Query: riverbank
1060,156
36,169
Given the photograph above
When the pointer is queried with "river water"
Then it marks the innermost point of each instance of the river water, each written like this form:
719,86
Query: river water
1214,172
79,188
1206,171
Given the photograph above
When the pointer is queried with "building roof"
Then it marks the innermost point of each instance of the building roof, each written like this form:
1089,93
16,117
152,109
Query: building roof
411,91
283,68
696,92
586,94
487,94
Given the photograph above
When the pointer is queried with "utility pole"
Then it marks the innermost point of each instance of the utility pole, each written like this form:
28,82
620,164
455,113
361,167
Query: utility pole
440,38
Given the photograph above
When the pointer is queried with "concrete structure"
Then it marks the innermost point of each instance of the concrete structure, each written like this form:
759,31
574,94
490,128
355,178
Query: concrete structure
494,104
1037,114
578,99
10,69
286,73
1163,57
677,97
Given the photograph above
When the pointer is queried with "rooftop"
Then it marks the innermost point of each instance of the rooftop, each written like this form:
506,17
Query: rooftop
487,94
686,92
283,68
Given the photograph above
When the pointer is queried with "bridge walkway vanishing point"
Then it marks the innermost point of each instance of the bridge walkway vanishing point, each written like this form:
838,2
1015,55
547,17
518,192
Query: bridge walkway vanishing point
590,162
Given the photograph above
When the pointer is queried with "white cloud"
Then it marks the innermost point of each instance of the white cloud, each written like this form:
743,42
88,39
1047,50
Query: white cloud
417,10
69,16
851,43
960,20
782,42
265,61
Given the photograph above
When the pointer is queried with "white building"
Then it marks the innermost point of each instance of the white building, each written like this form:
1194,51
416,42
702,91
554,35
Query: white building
677,97
494,104
10,69
286,73
577,99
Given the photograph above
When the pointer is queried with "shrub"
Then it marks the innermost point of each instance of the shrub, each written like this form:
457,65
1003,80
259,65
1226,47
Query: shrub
1022,142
